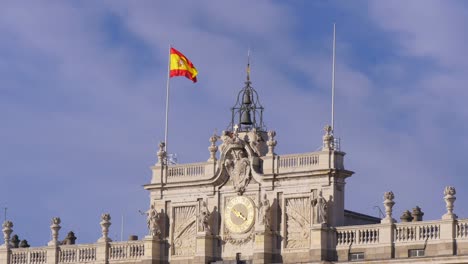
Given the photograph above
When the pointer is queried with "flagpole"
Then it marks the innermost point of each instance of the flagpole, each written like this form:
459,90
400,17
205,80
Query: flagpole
167,98
333,82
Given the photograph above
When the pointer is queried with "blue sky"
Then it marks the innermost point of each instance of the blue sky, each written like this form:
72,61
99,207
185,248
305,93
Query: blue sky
82,99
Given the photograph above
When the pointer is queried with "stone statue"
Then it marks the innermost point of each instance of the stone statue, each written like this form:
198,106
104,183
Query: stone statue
264,211
204,219
320,203
70,239
254,141
153,219
24,244
15,241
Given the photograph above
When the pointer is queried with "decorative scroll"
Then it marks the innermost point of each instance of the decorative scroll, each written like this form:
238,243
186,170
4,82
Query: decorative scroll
184,231
297,222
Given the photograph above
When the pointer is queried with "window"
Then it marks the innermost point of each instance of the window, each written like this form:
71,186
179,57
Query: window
356,256
413,253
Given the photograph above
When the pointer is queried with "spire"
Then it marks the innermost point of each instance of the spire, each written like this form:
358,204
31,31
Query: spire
248,65
247,113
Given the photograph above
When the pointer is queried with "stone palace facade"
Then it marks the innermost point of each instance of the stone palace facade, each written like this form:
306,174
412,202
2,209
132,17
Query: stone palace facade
248,204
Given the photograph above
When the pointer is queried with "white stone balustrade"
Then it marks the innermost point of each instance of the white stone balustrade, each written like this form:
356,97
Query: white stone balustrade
417,231
462,229
287,162
357,235
28,256
131,250
188,170
77,253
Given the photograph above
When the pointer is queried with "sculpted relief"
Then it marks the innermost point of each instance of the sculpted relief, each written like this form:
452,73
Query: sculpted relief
184,231
238,167
297,221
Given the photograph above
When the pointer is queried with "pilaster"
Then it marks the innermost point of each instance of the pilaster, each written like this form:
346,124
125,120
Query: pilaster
447,237
102,252
263,245
52,254
154,250
204,248
4,254
318,242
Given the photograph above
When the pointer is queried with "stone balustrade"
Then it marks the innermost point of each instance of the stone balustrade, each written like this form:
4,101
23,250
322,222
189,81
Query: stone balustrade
77,253
462,229
130,250
290,163
357,235
272,164
119,252
417,231
186,170
28,256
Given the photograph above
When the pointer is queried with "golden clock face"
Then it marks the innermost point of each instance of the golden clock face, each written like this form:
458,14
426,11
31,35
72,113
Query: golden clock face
239,214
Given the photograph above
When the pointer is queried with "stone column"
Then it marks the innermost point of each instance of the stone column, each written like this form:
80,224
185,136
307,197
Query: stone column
5,248
388,203
102,249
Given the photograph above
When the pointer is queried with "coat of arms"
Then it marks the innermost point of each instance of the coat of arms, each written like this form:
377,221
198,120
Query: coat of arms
238,167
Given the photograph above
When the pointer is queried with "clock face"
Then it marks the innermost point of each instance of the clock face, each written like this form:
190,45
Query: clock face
239,214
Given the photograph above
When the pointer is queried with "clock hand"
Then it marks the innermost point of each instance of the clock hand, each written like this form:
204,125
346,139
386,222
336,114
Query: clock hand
238,214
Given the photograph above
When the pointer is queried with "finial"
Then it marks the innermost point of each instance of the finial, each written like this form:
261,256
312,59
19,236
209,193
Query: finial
388,203
248,65
162,153
7,230
105,223
213,148
55,228
271,143
449,196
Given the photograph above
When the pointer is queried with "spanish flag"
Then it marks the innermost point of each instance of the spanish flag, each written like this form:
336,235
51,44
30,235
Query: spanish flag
181,66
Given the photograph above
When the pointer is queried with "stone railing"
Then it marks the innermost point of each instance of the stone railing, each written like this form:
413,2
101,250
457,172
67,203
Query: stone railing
290,163
28,256
462,229
77,253
131,250
186,170
357,235
417,231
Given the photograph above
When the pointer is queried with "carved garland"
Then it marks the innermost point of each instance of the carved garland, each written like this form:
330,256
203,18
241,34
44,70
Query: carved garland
238,241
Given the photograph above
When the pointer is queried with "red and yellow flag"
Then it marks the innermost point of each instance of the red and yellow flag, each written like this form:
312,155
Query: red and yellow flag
181,66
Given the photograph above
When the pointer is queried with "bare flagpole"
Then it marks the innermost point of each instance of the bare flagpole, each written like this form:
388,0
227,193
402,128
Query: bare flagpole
333,81
167,97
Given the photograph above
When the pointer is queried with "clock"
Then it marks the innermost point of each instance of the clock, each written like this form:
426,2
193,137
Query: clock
239,214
